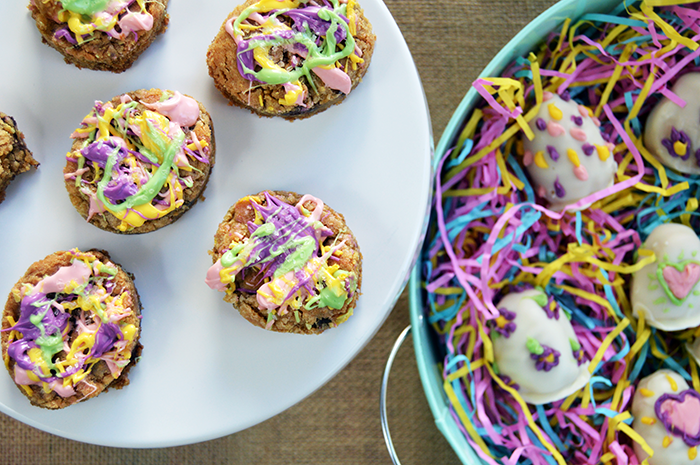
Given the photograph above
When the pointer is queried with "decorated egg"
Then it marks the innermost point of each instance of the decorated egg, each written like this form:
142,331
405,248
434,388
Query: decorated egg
667,416
568,159
672,132
666,291
535,348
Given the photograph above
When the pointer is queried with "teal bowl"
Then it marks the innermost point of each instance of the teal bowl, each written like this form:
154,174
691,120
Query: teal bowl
427,354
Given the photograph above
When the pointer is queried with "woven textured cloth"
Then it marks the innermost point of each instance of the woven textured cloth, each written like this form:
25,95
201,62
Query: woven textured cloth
451,42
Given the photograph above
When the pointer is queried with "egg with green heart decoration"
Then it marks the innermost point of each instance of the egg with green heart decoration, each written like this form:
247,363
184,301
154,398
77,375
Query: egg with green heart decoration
666,291
535,348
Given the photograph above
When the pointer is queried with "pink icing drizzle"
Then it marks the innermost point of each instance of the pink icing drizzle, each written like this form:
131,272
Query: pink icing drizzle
681,283
335,78
78,271
180,109
555,129
581,173
578,134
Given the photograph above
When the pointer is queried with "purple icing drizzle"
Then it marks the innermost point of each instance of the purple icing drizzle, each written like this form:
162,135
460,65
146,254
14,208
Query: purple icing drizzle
553,154
677,136
303,19
542,362
63,33
541,124
559,189
578,121
551,313
54,321
565,96
588,149
122,184
289,225
669,404
507,328
580,356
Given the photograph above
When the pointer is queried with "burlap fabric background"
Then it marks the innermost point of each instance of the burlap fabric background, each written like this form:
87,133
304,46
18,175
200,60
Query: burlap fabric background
451,42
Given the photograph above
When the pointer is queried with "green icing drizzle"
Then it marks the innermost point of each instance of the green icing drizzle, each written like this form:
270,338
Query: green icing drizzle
49,345
304,249
533,346
85,7
541,298
575,345
323,56
149,190
327,298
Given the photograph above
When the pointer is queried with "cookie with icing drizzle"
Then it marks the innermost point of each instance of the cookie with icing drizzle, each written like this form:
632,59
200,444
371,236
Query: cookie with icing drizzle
71,328
672,132
140,161
666,291
15,157
105,35
291,58
568,159
287,262
535,348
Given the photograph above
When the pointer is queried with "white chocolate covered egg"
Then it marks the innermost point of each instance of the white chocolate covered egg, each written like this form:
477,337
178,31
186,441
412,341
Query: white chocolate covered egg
672,133
666,291
535,348
667,416
568,159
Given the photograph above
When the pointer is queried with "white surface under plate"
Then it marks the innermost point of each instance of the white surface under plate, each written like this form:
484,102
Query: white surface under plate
205,371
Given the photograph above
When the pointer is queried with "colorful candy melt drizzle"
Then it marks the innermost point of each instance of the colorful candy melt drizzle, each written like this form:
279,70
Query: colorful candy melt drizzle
78,300
286,251
490,238
142,160
116,18
281,41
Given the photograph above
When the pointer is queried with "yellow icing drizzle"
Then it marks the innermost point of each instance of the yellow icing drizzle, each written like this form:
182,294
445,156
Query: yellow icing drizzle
555,112
137,216
352,18
648,420
667,441
573,156
129,331
672,382
692,453
603,152
680,148
540,161
501,321
292,95
646,392
80,28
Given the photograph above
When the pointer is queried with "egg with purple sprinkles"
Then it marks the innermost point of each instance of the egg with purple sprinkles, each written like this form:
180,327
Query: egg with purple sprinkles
535,348
568,159
672,131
